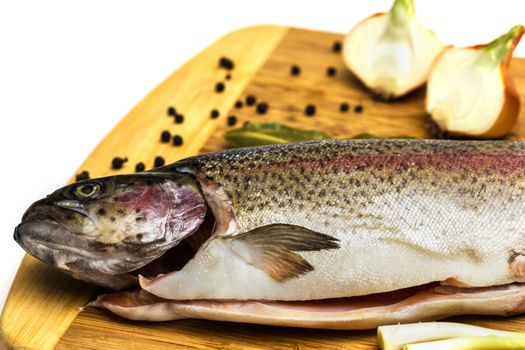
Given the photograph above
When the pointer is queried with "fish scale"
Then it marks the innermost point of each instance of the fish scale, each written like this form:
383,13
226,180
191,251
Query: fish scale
324,167
450,204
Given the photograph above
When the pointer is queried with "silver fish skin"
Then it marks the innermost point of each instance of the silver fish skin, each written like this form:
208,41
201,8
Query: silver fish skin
391,214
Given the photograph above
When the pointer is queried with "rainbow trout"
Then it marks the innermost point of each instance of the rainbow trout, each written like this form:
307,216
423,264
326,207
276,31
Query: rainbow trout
345,234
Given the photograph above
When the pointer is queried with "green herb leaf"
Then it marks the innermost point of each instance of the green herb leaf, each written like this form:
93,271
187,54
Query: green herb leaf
259,134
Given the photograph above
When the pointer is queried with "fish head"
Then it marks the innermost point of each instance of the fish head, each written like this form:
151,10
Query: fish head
99,230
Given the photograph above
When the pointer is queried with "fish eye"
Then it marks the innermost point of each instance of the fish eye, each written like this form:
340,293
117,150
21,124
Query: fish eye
87,190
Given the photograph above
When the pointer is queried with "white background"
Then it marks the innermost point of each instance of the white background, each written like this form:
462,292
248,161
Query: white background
69,70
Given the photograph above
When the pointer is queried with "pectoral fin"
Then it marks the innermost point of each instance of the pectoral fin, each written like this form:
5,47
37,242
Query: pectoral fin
271,248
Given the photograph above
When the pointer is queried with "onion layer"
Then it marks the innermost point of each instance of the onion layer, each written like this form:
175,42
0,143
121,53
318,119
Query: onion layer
391,53
470,92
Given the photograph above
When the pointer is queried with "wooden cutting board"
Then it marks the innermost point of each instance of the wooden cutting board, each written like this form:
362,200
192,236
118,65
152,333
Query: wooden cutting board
43,307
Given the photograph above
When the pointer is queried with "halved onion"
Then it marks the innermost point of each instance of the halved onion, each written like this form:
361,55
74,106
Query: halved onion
391,53
470,92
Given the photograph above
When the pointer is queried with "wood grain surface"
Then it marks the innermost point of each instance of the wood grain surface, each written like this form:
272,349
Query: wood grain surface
42,310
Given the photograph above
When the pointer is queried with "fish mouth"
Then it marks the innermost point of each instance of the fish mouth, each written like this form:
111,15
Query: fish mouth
39,232
16,235
41,224
432,301
39,239
30,234
68,255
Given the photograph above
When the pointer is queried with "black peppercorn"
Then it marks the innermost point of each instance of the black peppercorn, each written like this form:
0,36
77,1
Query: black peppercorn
140,167
226,63
158,162
177,140
232,120
172,111
165,136
117,163
295,70
343,107
84,175
219,87
250,100
238,104
337,46
214,114
179,119
331,71
358,108
262,108
310,110
228,76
